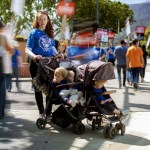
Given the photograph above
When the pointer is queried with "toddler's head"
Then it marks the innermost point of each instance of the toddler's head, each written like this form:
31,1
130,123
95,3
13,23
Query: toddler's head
99,83
70,76
60,74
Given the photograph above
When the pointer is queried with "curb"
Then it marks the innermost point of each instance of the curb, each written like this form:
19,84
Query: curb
22,79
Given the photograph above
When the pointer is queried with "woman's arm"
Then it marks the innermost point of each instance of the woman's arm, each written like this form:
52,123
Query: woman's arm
32,55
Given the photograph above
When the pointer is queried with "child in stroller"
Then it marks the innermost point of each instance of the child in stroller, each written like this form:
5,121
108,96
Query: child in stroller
73,95
100,109
106,103
62,76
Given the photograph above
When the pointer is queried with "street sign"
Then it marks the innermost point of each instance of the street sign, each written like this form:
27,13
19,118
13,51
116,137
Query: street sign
140,29
65,8
104,38
83,39
111,35
101,32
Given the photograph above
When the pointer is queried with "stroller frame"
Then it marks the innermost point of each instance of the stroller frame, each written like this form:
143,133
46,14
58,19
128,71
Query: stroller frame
84,112
77,125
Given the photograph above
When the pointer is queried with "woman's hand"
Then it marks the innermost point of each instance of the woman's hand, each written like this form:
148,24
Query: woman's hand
37,57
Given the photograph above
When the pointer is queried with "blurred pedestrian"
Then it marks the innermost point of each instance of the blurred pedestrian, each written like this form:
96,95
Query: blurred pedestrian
145,54
100,52
62,49
110,53
135,61
16,64
120,55
128,72
40,44
4,46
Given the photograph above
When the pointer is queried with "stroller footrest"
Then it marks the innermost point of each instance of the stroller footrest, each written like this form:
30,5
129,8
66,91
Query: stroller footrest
94,113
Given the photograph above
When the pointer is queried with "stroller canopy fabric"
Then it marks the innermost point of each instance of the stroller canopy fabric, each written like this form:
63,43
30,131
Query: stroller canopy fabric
95,70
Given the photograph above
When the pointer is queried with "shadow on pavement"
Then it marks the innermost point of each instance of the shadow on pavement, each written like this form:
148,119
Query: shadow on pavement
16,133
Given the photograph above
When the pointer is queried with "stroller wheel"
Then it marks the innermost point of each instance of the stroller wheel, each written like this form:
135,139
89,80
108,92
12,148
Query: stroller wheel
40,123
74,128
112,132
93,124
123,129
80,128
106,131
118,127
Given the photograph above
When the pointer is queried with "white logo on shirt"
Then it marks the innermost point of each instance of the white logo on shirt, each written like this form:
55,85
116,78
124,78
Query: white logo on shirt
45,43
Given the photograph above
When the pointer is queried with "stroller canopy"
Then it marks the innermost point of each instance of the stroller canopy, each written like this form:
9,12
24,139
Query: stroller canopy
95,70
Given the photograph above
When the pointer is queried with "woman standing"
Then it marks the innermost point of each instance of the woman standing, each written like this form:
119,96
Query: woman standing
40,44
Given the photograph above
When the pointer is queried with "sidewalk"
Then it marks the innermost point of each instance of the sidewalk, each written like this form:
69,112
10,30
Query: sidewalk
18,130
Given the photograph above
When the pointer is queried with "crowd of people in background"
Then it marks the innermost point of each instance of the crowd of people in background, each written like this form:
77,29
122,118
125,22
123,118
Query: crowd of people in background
130,59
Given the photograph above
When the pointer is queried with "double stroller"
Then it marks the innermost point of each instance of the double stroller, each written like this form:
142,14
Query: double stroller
65,115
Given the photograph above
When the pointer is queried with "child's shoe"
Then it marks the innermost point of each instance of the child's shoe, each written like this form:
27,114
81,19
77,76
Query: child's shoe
72,103
82,101
124,114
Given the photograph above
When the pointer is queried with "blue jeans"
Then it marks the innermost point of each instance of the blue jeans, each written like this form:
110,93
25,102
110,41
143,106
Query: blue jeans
8,81
135,72
123,68
128,74
2,95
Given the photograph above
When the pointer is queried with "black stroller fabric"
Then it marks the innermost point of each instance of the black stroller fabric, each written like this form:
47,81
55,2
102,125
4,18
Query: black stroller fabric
46,69
63,117
95,70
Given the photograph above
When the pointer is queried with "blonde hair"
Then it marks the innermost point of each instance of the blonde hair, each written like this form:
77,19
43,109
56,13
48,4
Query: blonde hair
62,71
71,73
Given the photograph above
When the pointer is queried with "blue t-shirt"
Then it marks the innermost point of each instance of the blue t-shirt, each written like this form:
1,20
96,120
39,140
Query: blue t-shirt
109,55
98,52
14,57
41,44
98,91
76,51
120,52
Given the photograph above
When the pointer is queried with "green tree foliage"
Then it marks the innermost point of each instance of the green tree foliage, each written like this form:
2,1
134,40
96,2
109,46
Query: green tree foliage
109,13
25,21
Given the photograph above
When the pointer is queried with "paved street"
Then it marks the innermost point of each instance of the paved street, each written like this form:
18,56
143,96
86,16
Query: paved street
18,130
